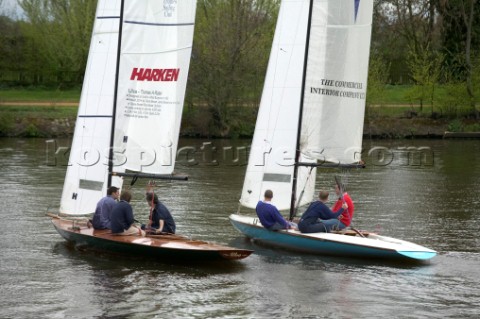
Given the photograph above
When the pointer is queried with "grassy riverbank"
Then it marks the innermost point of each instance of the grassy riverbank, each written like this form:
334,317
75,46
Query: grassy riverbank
16,95
52,113
59,121
37,121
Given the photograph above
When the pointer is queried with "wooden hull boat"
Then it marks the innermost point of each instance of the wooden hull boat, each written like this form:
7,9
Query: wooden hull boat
163,247
131,105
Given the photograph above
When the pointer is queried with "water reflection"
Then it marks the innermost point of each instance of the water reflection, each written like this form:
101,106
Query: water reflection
131,281
436,206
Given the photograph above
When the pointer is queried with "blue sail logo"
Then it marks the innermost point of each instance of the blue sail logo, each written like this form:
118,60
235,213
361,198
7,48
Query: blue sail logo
357,3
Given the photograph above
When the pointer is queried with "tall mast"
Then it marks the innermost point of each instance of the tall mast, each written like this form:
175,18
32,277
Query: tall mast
115,93
300,115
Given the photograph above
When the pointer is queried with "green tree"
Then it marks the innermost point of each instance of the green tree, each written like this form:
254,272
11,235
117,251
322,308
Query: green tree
230,52
400,26
11,44
60,31
425,66
461,41
378,71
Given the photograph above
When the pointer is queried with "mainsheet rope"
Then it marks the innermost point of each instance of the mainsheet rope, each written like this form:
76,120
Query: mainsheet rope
301,194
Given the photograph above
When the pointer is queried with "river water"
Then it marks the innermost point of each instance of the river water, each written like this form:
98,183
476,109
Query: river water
425,191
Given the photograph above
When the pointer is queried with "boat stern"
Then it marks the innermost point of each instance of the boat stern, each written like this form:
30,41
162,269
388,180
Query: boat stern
419,255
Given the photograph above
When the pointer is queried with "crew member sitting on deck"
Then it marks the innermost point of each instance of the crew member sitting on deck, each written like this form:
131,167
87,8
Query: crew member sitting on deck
312,220
345,219
161,219
269,215
122,217
101,218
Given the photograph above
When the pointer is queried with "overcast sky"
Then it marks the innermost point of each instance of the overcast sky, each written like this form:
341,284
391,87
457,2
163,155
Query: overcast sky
10,8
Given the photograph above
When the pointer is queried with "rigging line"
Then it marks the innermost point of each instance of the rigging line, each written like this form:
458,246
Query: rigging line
357,231
344,172
342,190
303,191
239,207
151,190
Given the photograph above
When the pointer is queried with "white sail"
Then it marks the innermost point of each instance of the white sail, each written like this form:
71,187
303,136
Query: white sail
155,54
87,173
338,50
272,154
154,61
336,83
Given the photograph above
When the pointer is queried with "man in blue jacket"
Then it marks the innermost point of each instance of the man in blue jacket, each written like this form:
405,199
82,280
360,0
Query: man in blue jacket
269,215
313,220
101,218
161,219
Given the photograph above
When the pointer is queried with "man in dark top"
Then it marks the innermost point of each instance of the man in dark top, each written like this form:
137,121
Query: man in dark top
122,220
311,221
269,216
161,219
101,218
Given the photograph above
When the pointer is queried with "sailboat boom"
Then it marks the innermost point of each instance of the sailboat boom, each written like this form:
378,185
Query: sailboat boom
152,176
331,165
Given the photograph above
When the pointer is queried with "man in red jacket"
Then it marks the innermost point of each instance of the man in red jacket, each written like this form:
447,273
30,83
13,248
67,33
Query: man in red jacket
345,219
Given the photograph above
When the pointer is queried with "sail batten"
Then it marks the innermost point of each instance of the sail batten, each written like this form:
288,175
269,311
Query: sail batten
167,51
160,24
95,116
